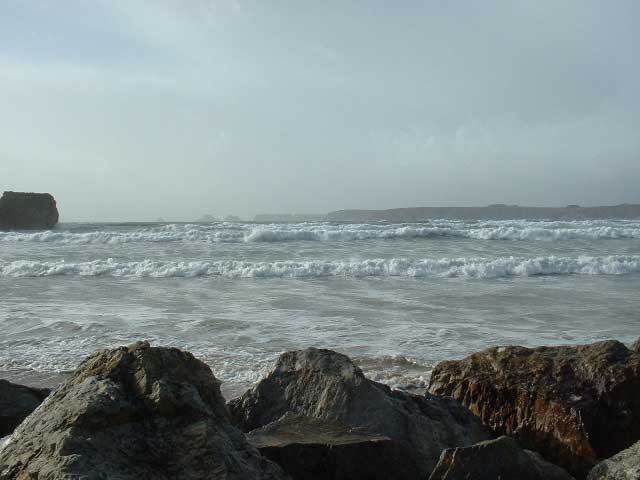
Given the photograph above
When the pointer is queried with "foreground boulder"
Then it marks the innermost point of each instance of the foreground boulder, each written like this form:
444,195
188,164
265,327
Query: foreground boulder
314,449
16,402
493,460
134,412
574,405
21,210
622,466
327,385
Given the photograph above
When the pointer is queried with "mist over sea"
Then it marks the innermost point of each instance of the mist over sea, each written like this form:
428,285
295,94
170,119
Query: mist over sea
398,298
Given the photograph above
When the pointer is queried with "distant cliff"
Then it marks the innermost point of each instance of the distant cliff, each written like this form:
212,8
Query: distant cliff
492,212
21,210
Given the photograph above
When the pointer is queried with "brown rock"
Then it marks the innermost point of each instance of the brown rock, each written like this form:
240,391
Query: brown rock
315,449
327,385
497,459
636,346
573,404
16,402
130,413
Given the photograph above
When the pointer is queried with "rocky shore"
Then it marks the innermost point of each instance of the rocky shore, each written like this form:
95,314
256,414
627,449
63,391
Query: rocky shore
503,413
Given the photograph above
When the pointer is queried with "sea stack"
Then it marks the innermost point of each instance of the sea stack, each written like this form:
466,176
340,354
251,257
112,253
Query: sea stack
22,210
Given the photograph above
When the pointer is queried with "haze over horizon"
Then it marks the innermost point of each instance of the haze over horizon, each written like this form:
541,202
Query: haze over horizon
130,111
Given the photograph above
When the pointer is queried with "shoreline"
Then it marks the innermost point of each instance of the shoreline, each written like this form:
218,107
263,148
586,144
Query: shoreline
549,412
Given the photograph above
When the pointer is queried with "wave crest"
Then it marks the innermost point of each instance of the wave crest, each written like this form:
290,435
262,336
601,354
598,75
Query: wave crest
396,267
250,233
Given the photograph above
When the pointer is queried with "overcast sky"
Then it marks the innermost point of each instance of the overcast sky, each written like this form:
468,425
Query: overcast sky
132,110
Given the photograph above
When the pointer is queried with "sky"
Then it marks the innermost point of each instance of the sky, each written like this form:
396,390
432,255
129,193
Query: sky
133,110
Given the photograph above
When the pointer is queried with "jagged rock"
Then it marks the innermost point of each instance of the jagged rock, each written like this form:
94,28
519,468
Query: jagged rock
317,449
623,466
327,385
636,346
134,412
16,402
497,459
574,405
23,210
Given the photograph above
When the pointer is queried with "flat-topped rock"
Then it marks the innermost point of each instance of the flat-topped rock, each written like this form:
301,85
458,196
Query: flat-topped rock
573,404
25,210
622,466
501,458
317,449
324,384
134,412
16,402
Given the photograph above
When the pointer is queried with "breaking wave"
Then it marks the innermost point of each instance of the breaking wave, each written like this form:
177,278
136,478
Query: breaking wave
396,267
239,233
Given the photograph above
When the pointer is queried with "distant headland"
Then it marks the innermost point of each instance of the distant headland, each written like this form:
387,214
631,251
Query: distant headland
491,212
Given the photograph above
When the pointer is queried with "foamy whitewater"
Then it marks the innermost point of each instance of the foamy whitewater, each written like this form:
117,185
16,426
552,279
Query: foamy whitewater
398,298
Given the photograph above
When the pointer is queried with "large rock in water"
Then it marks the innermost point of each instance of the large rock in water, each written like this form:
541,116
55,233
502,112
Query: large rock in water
316,449
574,405
130,413
501,458
16,402
327,385
21,210
623,466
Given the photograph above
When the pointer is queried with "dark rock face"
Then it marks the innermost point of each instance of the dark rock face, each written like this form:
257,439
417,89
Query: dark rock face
314,449
574,405
134,412
16,402
623,466
327,385
22,210
493,460
636,346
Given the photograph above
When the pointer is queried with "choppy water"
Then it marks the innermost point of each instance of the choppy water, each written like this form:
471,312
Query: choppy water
397,298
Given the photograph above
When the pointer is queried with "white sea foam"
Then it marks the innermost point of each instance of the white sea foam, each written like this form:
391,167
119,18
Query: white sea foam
396,267
238,233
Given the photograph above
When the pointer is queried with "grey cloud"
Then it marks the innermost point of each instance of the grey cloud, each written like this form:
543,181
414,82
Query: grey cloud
134,110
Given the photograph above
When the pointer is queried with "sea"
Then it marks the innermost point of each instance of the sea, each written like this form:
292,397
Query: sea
396,298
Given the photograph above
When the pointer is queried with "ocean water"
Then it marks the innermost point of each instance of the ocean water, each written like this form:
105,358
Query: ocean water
398,298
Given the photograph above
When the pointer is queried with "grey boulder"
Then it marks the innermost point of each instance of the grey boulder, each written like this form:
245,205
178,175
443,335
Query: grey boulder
324,384
497,459
622,466
134,412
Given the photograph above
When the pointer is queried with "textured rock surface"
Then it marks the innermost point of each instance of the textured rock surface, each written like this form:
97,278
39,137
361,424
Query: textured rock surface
574,405
28,210
16,402
314,449
636,346
623,466
130,413
326,384
501,458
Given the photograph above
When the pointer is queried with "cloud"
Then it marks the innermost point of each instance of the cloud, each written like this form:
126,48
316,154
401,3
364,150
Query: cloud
244,106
